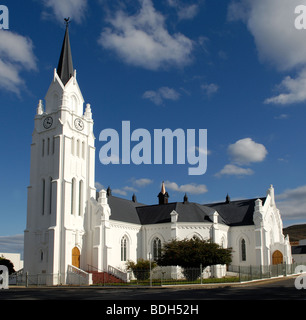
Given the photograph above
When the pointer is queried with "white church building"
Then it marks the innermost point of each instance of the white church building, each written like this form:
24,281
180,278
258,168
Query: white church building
71,226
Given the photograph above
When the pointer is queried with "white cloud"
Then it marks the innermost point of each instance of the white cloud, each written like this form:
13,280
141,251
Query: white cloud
292,203
143,40
282,116
132,189
99,186
272,24
184,12
191,188
294,90
12,244
124,191
16,55
245,151
232,169
210,89
119,191
139,183
143,182
75,9
161,94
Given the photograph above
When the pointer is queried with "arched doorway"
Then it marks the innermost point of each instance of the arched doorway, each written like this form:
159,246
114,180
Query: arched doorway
76,257
277,257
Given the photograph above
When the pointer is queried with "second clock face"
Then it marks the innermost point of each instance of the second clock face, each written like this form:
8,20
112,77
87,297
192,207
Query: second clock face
79,124
48,122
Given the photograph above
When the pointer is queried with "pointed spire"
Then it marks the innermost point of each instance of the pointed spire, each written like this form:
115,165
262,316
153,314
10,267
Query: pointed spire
228,199
134,199
40,107
65,65
185,198
163,188
163,195
109,191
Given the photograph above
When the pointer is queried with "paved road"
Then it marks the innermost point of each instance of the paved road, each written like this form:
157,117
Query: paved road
281,289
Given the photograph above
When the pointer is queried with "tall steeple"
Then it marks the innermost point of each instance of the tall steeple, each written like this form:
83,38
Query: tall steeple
65,65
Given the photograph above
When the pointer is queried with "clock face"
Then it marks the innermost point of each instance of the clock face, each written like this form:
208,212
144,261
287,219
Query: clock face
48,122
79,124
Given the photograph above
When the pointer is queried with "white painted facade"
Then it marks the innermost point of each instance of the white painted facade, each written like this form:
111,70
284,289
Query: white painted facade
64,217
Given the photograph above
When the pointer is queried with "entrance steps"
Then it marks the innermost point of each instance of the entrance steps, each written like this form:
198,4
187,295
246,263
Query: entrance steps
104,278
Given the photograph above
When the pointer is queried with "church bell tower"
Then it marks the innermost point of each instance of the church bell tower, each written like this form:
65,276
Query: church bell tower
61,176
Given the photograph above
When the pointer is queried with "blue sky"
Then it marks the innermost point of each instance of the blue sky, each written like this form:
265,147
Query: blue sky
235,68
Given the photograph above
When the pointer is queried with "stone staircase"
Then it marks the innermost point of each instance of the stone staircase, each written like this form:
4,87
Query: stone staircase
104,278
112,275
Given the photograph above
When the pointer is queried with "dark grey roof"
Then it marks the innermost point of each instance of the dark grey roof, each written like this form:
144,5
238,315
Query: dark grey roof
298,249
187,212
123,210
65,65
236,213
129,211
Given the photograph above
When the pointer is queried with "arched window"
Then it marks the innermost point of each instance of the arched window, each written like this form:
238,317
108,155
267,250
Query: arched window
243,250
83,150
156,249
223,242
48,147
43,195
43,148
74,103
53,144
72,146
50,195
78,148
124,245
80,197
72,196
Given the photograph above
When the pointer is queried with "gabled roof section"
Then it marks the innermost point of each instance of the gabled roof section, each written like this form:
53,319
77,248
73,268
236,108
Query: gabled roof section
123,210
236,213
133,212
65,66
231,213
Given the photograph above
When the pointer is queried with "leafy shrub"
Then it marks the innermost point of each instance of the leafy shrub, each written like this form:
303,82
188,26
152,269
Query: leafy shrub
141,269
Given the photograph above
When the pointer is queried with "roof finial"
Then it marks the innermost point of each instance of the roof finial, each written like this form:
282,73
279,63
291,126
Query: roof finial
185,198
228,199
163,195
67,21
163,188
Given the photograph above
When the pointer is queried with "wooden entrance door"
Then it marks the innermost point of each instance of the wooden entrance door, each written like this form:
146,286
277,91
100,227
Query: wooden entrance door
76,257
277,257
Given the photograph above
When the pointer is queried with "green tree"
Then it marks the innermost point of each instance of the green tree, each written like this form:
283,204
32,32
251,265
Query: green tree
141,269
8,264
191,253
